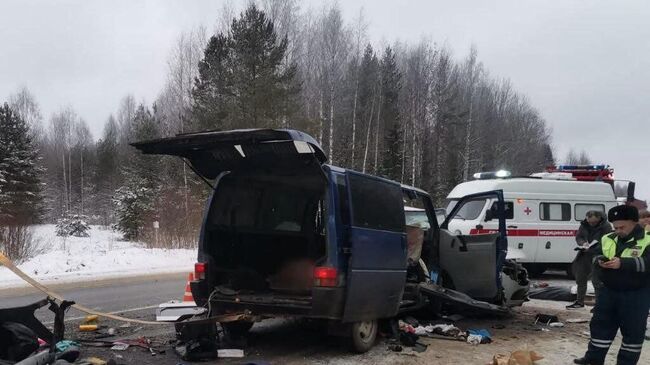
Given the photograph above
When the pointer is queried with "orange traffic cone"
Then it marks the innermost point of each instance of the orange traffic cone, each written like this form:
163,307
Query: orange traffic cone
187,297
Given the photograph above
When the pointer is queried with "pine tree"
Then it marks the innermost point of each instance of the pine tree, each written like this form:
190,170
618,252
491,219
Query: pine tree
213,92
106,177
390,118
20,185
136,200
242,80
368,102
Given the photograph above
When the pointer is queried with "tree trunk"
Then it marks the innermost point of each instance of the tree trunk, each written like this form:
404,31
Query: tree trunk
320,118
468,142
365,153
69,187
65,185
377,137
81,178
354,122
413,158
331,136
403,154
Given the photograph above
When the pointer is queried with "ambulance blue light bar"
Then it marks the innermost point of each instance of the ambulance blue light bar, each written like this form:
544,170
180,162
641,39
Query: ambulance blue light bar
501,174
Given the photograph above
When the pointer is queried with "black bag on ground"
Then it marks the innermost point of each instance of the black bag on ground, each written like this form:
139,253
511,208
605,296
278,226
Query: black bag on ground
17,341
557,293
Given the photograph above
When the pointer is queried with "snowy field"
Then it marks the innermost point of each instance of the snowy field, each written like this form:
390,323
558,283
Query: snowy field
101,256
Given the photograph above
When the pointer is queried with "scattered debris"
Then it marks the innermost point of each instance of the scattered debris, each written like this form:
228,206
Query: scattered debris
556,293
474,340
62,346
408,339
395,347
546,319
92,361
119,346
224,353
577,320
89,324
521,357
174,312
556,324
480,336
448,330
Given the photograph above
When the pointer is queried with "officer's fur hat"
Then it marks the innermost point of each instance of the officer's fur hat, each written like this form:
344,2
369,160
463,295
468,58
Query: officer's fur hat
623,213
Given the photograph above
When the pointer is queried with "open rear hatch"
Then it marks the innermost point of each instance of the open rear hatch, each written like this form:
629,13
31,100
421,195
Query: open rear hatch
211,153
264,230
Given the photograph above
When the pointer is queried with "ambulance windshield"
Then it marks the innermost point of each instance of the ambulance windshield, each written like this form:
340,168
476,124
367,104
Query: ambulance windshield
470,210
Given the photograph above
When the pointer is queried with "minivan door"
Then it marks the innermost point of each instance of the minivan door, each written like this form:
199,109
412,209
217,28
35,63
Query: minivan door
376,272
473,262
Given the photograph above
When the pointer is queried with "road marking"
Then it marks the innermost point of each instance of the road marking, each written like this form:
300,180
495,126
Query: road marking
115,312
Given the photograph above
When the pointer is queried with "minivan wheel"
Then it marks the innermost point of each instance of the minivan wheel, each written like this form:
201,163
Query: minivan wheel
364,335
237,329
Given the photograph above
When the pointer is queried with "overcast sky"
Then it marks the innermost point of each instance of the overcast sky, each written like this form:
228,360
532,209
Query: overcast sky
584,64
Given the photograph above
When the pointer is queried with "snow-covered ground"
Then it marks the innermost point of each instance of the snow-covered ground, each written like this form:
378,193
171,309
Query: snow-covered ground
102,255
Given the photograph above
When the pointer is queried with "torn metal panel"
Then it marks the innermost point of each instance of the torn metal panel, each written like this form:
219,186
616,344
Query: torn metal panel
461,301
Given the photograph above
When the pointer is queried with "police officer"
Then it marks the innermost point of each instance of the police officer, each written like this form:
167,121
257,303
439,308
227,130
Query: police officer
624,300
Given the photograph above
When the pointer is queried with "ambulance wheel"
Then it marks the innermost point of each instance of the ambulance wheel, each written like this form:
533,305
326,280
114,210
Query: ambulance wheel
363,336
237,329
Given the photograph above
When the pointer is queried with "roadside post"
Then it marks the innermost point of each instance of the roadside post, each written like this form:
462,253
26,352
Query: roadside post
156,225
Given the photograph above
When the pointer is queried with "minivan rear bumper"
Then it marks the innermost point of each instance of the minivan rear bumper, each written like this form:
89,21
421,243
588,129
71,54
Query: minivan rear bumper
324,303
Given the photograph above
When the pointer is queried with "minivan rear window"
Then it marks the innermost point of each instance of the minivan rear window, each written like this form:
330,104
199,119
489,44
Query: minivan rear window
376,204
267,207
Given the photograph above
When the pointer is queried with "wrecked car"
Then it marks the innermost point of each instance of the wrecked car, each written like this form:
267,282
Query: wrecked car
286,234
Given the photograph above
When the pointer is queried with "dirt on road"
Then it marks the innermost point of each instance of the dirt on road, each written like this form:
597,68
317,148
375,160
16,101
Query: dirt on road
285,341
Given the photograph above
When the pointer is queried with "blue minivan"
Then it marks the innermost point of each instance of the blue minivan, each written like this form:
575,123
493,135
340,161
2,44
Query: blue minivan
285,234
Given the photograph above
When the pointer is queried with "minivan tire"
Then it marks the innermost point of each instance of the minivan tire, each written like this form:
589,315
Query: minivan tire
237,329
363,335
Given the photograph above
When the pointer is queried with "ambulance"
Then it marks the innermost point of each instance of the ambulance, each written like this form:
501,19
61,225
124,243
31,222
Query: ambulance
543,211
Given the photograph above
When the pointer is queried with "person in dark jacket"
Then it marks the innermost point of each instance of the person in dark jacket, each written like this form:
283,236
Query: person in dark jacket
592,228
624,300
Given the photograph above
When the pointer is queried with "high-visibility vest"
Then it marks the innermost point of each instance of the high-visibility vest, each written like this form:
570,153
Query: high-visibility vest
609,242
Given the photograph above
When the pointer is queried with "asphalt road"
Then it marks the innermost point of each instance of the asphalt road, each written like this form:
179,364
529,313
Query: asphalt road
122,295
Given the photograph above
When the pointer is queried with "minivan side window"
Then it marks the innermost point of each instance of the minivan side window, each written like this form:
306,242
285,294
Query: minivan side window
555,211
376,204
582,209
509,208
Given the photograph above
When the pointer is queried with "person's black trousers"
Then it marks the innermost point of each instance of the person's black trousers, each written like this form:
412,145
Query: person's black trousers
624,310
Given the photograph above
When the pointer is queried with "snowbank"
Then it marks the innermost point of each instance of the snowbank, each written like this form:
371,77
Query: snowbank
100,256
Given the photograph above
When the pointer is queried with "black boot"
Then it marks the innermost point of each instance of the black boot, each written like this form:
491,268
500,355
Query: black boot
576,305
584,361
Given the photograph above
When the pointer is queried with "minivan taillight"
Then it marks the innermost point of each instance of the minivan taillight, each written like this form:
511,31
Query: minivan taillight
199,270
325,276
